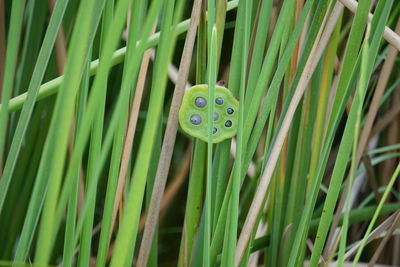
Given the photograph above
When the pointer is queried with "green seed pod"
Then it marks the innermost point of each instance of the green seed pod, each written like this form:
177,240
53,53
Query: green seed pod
193,116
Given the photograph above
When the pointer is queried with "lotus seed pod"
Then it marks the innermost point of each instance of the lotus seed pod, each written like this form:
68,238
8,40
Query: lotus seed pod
193,114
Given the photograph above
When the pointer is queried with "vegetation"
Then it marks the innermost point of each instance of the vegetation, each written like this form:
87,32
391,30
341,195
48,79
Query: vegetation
96,169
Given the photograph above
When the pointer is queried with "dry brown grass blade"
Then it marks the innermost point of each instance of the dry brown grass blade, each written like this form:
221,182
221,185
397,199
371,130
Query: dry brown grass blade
130,134
316,52
388,34
169,139
384,226
378,251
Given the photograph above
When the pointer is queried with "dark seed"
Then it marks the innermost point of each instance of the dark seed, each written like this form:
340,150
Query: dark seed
229,110
195,119
219,100
228,123
216,116
214,130
200,102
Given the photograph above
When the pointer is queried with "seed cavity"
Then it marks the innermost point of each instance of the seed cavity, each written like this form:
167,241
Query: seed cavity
219,100
229,111
214,130
195,119
228,123
200,102
216,116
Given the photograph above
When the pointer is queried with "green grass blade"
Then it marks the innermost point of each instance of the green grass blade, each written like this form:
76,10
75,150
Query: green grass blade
14,35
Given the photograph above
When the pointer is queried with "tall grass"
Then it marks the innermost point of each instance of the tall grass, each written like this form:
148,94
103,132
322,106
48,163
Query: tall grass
95,169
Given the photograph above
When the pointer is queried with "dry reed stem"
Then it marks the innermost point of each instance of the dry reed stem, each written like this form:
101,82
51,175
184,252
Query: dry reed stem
389,35
130,134
389,233
375,234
